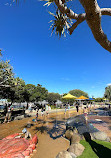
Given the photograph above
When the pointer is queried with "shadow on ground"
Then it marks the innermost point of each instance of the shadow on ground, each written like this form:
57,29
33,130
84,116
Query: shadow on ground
54,128
100,150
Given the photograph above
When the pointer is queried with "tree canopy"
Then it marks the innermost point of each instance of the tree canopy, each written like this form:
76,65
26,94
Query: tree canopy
53,97
6,74
78,93
107,93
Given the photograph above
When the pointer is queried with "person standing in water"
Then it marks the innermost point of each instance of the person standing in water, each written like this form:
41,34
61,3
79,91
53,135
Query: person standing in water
85,111
77,108
37,115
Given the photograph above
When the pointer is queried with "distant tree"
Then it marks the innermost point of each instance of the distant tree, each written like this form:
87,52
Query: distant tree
28,92
6,74
6,78
78,93
107,93
34,93
53,97
39,93
98,100
15,93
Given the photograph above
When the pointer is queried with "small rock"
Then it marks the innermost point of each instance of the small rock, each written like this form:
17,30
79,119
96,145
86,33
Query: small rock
75,130
64,154
75,138
20,117
73,155
69,134
100,136
77,149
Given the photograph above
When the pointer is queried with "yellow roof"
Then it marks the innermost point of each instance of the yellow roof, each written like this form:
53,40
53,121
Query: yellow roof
105,99
69,96
82,98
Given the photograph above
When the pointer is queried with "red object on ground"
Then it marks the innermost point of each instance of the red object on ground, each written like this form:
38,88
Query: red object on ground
16,147
26,153
12,136
34,140
32,146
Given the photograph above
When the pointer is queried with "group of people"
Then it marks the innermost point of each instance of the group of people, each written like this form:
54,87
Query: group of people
42,112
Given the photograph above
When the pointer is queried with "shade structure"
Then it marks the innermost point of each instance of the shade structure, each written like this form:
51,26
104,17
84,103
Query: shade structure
90,99
105,99
69,96
82,98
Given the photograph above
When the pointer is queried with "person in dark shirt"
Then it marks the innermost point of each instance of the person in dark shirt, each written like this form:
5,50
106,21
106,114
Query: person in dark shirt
37,115
77,109
5,109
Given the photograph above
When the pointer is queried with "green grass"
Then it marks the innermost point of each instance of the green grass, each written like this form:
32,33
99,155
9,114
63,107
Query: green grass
96,149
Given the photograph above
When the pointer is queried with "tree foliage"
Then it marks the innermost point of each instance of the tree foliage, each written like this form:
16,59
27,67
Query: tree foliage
107,93
53,97
39,93
6,74
15,93
98,100
78,93
6,78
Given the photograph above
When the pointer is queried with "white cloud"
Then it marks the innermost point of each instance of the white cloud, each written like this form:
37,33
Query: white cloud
93,87
6,3
109,84
65,79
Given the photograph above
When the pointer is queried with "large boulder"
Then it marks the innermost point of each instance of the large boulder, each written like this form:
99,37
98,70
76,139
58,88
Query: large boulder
75,138
69,134
76,148
100,136
64,154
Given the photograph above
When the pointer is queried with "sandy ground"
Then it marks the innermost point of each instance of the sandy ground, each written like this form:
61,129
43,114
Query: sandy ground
50,140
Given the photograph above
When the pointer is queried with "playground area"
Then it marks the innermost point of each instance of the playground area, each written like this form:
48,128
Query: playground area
50,131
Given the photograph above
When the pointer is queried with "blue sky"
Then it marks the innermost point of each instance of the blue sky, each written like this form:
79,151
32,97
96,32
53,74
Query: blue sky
60,65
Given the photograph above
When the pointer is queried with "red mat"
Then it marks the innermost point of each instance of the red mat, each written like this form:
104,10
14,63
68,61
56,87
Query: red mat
11,147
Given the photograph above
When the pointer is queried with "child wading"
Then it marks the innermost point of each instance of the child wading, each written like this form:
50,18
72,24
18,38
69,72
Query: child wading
85,111
27,134
37,115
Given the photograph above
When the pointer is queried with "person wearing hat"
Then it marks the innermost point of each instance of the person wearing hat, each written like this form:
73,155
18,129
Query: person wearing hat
27,133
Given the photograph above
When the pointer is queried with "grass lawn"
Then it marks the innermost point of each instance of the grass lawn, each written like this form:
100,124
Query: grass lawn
95,149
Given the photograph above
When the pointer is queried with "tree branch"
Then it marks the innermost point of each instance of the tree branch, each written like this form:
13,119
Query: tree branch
106,11
93,18
67,11
73,27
